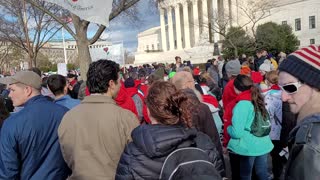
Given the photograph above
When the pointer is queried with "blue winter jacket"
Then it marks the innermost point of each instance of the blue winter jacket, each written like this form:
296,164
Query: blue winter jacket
29,146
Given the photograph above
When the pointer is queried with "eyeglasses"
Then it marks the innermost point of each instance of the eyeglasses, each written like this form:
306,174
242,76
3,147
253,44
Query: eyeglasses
291,88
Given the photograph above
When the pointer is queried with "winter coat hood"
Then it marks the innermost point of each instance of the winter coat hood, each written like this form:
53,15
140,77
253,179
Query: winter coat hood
160,140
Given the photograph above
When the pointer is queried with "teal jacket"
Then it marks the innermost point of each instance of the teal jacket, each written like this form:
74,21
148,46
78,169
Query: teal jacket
242,142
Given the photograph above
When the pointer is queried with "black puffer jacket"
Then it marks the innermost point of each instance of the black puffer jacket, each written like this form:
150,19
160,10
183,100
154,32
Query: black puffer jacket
143,158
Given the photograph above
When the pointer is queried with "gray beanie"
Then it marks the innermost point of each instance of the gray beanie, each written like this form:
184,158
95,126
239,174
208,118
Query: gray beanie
233,67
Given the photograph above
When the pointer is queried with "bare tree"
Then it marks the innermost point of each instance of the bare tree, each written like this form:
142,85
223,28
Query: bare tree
253,11
4,52
250,12
26,27
80,32
10,56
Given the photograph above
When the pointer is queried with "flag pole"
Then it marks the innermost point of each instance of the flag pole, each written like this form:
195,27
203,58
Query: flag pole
64,44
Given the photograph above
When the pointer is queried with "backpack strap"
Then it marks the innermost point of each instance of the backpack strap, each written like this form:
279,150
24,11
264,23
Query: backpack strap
277,119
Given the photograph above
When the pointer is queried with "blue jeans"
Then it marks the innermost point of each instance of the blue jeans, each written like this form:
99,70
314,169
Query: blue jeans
260,164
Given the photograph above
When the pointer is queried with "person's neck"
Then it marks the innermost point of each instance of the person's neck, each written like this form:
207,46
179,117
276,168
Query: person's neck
59,96
311,107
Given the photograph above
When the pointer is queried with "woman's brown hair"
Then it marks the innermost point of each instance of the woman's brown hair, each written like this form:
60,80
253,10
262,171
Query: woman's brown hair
168,105
243,83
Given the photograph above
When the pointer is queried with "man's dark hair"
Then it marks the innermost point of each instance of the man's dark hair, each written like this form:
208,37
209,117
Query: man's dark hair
56,84
99,75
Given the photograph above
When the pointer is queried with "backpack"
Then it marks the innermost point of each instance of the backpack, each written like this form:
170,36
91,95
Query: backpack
260,127
188,164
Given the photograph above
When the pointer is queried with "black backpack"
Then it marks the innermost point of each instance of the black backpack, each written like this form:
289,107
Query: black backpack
188,164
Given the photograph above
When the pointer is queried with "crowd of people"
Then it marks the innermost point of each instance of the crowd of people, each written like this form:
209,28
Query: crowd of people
174,121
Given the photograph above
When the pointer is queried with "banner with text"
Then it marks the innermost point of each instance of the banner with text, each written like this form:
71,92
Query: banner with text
96,11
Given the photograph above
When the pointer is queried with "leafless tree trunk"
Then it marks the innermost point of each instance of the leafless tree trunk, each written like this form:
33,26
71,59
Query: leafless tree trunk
26,27
81,29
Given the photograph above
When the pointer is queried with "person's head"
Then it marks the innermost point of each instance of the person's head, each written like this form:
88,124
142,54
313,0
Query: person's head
272,78
103,77
23,86
244,83
233,68
4,113
57,84
169,106
299,78
214,62
187,69
183,80
129,83
178,59
72,75
259,53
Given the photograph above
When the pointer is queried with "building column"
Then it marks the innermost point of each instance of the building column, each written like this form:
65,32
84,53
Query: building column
215,6
205,17
196,25
186,25
170,29
178,26
163,30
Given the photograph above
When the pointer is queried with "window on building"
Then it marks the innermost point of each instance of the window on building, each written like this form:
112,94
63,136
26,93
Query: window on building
147,47
298,24
284,23
312,41
298,42
158,46
312,22
152,46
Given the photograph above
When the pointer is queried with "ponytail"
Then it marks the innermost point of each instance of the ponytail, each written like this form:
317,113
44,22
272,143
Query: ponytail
169,106
181,107
258,102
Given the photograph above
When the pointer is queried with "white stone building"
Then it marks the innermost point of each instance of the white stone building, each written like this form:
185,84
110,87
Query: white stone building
186,31
302,15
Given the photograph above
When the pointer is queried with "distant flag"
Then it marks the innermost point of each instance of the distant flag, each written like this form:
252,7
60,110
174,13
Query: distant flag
96,11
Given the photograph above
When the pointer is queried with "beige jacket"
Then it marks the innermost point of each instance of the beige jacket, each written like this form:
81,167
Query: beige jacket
93,136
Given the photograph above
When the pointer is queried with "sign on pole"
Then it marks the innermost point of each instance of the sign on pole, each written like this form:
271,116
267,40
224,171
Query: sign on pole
114,52
62,69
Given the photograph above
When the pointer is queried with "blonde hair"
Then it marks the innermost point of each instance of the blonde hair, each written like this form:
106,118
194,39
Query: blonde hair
272,77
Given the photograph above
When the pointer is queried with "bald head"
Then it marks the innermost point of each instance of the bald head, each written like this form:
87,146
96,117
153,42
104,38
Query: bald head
183,80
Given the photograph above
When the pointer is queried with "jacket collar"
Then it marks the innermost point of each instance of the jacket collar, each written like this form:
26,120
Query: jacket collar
34,99
245,95
98,99
65,97
159,140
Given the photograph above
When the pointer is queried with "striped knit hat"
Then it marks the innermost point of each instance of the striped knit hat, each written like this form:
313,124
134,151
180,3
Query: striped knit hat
304,64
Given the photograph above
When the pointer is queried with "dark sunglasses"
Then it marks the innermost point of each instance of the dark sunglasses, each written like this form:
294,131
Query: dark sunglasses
291,88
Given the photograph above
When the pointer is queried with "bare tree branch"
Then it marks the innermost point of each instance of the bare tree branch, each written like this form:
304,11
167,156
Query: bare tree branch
65,25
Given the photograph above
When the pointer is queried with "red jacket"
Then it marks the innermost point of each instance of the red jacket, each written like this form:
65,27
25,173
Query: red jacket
125,101
227,116
228,94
